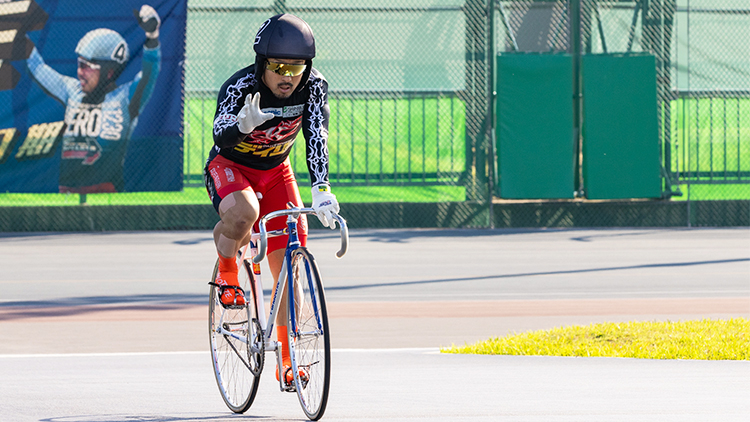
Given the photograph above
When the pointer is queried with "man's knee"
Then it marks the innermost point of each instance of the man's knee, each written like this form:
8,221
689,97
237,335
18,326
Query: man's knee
239,210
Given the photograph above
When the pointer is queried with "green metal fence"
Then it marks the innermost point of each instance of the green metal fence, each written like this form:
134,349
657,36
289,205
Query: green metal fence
376,138
712,88
711,132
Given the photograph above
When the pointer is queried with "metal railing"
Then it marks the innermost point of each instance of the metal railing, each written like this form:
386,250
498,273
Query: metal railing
709,96
710,143
375,138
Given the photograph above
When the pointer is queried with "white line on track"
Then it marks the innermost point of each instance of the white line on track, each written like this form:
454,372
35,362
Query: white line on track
68,355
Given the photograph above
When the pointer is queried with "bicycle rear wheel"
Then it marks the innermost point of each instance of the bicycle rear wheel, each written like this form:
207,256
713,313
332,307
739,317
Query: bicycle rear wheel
235,334
309,339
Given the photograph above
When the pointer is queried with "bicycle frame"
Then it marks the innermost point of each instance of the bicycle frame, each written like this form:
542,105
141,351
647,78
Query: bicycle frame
240,335
254,253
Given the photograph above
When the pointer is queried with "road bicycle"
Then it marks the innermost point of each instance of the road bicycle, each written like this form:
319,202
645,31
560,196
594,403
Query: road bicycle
240,336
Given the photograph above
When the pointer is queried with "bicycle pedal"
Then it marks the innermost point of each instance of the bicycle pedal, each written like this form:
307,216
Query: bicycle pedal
291,385
238,291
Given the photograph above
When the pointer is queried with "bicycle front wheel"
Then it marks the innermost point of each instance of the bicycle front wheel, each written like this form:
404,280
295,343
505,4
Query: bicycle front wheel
309,339
234,333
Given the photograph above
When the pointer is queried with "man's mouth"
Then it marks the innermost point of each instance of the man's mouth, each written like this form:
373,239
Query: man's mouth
285,86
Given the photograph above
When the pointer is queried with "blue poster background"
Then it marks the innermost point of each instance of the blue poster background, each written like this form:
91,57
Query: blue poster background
153,161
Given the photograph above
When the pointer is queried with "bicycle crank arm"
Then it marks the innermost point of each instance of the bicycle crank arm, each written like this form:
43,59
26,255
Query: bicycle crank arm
224,332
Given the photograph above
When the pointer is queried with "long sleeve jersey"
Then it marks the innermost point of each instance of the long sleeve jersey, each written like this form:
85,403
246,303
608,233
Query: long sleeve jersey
269,144
96,135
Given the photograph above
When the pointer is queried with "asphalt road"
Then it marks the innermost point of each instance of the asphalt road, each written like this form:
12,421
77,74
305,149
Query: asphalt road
112,326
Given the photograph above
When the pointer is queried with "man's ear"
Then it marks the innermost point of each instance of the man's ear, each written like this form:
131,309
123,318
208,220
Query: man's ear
110,73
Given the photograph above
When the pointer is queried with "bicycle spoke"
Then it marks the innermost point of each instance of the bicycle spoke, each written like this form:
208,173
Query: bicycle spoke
231,332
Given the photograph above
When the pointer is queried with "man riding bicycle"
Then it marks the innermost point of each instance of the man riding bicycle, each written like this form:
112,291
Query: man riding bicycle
260,110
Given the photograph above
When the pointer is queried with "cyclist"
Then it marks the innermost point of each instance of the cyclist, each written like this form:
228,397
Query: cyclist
259,112
100,116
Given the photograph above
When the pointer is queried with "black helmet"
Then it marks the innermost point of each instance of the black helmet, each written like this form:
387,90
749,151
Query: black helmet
284,36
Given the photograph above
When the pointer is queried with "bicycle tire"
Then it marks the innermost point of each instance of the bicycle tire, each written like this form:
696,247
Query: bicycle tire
309,338
236,367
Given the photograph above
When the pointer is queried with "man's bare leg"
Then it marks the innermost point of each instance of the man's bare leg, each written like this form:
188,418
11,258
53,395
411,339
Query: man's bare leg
238,212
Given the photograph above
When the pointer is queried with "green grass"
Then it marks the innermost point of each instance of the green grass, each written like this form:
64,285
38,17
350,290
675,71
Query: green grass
198,195
705,339
351,194
185,197
713,192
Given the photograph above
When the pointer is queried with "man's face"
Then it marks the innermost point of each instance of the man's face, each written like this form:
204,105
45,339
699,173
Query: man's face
282,86
88,75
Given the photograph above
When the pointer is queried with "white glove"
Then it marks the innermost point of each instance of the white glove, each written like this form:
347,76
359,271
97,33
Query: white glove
145,17
325,205
250,115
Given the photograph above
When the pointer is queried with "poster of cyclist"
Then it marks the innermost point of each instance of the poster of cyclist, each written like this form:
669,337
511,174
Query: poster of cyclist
91,95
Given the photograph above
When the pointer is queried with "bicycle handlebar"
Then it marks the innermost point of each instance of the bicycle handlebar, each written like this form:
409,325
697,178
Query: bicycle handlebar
295,213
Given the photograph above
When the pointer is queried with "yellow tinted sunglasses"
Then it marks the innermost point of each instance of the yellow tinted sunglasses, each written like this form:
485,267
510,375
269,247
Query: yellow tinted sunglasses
285,69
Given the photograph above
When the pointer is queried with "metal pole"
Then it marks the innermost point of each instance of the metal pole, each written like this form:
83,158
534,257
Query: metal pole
491,112
477,126
575,50
686,145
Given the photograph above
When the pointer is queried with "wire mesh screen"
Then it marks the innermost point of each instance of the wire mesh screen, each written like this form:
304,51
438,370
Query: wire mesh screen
533,26
710,147
402,93
703,81
411,93
702,72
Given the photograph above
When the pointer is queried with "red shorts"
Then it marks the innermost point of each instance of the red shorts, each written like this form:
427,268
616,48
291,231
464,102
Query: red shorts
276,187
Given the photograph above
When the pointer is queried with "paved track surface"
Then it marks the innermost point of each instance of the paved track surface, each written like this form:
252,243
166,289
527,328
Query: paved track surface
112,326
395,385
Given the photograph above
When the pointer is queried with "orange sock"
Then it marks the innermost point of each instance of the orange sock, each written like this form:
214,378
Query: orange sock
228,265
281,336
286,360
227,276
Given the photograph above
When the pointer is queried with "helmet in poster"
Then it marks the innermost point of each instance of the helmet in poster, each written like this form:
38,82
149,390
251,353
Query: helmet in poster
103,45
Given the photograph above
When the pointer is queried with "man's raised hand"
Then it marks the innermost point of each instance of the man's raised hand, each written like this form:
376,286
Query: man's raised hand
250,116
149,21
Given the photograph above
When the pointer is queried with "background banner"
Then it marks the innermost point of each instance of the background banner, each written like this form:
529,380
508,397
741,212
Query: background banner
91,95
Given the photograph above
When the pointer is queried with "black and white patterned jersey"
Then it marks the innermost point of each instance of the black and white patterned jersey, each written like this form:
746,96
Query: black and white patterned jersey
269,144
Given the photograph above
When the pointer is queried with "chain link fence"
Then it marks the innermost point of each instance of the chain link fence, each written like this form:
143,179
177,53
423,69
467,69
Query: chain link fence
702,73
402,95
413,116
710,125
406,92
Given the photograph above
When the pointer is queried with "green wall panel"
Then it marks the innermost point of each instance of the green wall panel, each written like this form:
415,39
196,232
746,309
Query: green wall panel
535,143
620,128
